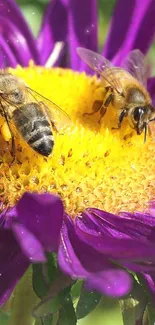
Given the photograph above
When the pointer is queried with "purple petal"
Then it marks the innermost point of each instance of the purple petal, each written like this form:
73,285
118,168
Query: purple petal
67,259
124,225
121,250
132,26
7,58
75,258
42,215
54,27
113,282
10,12
151,88
13,264
17,42
30,246
83,29
150,282
9,215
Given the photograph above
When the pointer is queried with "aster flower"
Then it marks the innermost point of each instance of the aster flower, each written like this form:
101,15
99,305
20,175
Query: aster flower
97,171
103,173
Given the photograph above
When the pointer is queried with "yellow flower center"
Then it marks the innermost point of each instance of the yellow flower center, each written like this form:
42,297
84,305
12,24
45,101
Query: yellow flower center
91,165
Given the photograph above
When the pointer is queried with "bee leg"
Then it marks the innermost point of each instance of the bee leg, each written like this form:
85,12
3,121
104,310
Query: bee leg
54,126
96,107
13,149
103,110
120,119
104,107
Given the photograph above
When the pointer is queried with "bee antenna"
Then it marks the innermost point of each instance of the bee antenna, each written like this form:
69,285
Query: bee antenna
145,132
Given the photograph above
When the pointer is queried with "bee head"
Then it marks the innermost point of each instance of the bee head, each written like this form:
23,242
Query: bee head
11,89
142,115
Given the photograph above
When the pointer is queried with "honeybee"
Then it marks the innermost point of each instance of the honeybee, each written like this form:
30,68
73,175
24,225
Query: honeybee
125,89
32,114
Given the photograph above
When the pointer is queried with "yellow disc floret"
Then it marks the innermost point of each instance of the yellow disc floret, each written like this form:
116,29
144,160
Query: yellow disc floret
91,165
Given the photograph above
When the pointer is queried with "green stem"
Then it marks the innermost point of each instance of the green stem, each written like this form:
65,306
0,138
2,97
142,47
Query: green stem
151,314
23,301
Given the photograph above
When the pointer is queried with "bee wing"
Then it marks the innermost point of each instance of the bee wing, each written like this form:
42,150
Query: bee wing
135,64
102,66
56,115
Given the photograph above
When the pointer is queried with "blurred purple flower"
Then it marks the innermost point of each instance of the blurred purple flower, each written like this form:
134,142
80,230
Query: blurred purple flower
99,246
27,231
75,23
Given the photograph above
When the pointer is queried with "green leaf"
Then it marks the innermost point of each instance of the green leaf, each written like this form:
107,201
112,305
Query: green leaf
49,306
87,302
133,306
51,266
4,318
47,321
44,275
151,313
67,314
39,285
23,301
150,310
76,290
46,307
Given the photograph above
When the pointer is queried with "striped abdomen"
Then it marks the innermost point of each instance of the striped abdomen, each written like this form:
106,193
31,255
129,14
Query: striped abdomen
34,127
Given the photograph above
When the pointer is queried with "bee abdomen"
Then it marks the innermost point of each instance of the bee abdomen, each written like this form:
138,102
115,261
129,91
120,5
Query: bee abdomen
41,139
35,128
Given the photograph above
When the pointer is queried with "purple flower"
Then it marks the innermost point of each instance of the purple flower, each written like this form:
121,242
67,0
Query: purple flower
75,23
27,231
99,246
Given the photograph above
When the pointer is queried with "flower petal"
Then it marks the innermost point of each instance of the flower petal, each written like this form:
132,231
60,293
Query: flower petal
123,250
113,282
42,215
132,26
11,14
13,264
17,42
75,258
7,58
150,281
83,29
67,258
30,246
124,225
54,27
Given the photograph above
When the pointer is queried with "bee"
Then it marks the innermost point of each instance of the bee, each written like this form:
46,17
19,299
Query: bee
125,89
32,114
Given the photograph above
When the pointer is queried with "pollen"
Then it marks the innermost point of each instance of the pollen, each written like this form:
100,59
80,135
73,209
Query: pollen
92,164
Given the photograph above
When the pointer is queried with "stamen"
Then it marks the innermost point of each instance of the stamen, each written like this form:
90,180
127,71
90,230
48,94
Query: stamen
58,47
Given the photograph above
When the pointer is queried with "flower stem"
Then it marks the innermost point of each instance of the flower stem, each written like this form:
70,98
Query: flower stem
23,301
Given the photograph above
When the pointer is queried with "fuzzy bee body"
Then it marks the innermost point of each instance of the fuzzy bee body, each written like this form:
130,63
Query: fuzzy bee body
34,127
32,114
125,89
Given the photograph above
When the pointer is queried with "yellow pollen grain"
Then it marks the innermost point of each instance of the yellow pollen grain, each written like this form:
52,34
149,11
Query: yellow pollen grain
91,164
